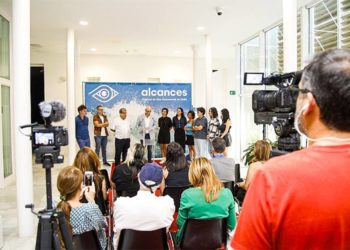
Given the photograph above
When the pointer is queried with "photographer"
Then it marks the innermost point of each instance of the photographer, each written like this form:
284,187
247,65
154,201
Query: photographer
301,200
80,217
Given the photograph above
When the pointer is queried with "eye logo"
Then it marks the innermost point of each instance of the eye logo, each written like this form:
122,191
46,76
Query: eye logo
104,93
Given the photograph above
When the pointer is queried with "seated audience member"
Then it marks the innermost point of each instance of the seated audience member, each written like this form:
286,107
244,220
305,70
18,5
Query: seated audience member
262,150
176,165
207,199
224,167
301,200
87,160
125,175
145,211
80,217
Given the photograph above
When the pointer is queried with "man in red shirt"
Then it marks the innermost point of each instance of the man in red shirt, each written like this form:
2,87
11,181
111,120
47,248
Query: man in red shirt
301,200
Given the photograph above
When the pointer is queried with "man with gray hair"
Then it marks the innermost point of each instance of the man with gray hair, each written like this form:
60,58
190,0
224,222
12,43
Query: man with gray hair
145,211
224,167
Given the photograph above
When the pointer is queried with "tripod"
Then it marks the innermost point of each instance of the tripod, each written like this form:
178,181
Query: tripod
49,218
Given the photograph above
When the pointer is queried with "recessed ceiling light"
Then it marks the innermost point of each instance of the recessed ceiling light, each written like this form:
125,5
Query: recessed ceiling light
93,49
83,23
200,28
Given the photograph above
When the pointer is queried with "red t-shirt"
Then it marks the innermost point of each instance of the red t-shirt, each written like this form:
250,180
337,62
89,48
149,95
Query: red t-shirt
298,201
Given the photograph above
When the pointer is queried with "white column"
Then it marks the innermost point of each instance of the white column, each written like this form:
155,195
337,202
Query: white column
208,72
70,96
290,35
22,114
194,78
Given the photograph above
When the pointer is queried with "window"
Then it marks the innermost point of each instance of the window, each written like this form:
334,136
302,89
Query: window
345,23
6,129
274,50
324,26
4,48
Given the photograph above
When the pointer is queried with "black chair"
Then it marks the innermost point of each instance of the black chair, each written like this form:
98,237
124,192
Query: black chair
238,173
175,193
230,185
204,234
88,240
133,239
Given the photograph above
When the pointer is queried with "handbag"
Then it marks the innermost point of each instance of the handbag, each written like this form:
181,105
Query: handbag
228,139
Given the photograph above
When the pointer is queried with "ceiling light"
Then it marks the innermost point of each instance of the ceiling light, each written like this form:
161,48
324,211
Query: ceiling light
177,51
93,49
200,28
83,23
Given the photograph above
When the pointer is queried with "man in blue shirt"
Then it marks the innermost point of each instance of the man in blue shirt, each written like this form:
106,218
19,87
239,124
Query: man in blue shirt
82,127
200,132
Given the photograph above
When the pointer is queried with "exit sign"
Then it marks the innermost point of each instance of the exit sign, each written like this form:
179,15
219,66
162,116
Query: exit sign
232,92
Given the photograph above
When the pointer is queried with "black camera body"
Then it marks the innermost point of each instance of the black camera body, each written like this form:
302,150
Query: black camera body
277,107
49,136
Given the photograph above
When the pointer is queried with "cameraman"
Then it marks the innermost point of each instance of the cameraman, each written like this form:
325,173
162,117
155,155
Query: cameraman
301,200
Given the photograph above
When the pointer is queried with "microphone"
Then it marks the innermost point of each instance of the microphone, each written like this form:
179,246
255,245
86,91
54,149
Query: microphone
53,111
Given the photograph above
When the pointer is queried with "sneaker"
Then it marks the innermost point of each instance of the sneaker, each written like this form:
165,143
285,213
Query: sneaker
106,164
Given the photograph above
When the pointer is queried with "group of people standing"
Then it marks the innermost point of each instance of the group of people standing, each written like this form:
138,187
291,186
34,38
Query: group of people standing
196,133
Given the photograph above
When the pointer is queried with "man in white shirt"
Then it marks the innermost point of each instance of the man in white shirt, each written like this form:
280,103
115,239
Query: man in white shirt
122,136
145,211
146,125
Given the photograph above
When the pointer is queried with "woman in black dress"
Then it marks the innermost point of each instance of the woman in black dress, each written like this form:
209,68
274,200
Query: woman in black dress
225,127
179,123
164,124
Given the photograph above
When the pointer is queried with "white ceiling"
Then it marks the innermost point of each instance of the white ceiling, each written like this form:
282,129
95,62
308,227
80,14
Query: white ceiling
148,27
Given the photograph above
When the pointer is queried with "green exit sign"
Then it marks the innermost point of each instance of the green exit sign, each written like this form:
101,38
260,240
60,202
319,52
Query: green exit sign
232,92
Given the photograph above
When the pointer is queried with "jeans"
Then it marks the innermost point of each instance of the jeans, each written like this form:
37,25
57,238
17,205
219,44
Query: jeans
121,148
201,146
101,142
83,143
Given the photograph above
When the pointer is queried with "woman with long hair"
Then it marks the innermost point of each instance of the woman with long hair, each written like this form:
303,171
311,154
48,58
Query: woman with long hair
164,124
87,160
176,165
213,126
262,150
80,217
225,127
125,175
207,199
189,133
179,123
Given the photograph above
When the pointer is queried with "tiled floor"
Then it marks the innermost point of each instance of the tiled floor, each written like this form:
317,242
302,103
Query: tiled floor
8,209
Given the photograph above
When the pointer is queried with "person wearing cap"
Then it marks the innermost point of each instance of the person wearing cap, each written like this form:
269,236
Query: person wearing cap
156,212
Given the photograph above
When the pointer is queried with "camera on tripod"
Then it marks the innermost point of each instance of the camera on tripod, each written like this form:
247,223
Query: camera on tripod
277,107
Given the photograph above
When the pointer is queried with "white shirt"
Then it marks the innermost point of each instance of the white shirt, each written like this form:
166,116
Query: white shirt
147,123
144,212
103,130
122,128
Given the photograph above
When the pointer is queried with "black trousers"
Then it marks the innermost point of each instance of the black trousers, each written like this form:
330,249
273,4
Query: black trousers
149,151
121,149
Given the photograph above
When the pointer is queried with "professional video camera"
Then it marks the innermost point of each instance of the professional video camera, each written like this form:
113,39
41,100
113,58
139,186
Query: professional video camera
277,107
47,141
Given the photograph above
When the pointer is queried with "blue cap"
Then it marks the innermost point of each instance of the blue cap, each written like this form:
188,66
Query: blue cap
151,174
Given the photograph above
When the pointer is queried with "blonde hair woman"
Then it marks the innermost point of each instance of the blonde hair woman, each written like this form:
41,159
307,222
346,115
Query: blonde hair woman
262,150
207,199
87,160
80,217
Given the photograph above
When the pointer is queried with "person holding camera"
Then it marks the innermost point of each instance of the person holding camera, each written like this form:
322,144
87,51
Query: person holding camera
80,217
101,133
301,200
87,160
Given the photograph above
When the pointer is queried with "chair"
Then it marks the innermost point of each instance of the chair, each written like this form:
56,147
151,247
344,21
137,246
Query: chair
238,173
133,239
230,185
175,193
204,234
87,240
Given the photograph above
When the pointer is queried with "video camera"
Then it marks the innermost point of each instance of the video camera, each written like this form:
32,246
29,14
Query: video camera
47,139
277,107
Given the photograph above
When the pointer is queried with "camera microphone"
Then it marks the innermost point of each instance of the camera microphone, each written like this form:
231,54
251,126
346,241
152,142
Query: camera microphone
28,125
53,111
